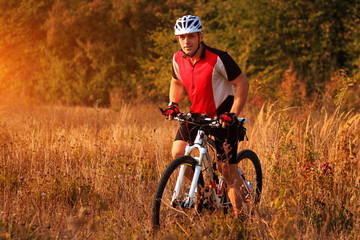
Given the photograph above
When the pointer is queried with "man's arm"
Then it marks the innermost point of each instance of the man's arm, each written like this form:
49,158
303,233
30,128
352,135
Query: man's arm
176,90
241,91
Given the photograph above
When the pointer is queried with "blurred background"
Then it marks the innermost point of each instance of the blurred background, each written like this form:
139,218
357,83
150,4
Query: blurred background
82,52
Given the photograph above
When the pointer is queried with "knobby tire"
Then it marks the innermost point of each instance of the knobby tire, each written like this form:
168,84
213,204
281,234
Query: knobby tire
254,172
159,200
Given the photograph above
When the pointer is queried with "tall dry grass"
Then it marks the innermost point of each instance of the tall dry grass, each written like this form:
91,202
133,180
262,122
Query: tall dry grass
90,173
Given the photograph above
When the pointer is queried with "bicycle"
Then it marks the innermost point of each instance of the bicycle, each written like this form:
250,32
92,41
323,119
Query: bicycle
182,199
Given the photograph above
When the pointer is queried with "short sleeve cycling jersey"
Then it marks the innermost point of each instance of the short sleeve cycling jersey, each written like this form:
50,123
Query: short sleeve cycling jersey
207,82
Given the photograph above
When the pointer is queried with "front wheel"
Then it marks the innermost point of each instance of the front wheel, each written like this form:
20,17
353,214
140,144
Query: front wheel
168,209
250,171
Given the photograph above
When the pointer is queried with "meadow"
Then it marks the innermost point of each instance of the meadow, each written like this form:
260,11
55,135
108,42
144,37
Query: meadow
90,173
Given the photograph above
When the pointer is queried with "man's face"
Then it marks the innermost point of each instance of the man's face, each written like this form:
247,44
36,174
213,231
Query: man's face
190,42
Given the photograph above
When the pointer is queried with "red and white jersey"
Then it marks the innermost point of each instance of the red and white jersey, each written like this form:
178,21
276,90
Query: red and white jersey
208,81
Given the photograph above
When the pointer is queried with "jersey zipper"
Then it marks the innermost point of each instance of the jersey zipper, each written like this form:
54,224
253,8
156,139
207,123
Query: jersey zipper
193,74
193,78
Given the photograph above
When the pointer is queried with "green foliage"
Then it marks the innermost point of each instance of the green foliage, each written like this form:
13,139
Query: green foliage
155,76
76,52
155,69
310,38
97,43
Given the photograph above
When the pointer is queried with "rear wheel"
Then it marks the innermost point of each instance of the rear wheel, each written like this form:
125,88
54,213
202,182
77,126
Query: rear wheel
250,171
166,209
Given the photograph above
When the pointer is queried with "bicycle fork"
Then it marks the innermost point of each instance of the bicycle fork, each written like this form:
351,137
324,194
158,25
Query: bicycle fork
190,199
201,146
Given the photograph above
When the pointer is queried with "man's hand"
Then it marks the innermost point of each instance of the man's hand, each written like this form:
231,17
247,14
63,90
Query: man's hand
227,119
172,110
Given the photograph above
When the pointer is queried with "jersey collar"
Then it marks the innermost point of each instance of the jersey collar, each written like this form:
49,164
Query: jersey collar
202,53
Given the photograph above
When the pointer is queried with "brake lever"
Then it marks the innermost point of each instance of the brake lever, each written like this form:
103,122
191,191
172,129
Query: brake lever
162,111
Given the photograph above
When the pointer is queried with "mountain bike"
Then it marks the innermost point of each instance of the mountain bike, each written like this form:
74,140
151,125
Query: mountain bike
179,199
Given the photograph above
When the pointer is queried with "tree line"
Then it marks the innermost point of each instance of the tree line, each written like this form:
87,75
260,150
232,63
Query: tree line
80,51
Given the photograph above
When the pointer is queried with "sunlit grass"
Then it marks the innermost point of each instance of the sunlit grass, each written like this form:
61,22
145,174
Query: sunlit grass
79,173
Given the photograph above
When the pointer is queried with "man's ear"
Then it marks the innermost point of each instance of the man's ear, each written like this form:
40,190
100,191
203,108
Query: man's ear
201,36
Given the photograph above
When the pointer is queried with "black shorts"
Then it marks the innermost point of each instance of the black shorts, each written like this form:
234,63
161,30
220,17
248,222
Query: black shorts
187,132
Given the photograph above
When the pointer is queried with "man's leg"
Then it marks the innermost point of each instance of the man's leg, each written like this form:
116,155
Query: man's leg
236,190
178,148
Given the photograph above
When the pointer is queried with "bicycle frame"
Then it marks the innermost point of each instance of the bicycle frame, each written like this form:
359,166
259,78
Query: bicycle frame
200,143
206,188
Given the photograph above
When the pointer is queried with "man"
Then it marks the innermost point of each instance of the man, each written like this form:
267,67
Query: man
216,87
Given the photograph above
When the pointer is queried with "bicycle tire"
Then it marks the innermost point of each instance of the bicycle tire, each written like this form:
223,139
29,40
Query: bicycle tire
251,172
163,195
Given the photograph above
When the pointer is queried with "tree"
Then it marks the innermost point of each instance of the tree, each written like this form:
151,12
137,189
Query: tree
21,42
97,43
308,38
77,51
154,74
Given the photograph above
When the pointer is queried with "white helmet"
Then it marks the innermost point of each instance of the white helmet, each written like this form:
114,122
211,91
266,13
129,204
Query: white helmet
187,24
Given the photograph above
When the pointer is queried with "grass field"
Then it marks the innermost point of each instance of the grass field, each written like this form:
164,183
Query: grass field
90,173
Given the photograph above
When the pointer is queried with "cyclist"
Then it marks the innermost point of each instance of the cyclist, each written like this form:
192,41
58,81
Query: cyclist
216,87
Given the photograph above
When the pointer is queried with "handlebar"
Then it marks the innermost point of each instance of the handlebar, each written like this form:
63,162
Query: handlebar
200,119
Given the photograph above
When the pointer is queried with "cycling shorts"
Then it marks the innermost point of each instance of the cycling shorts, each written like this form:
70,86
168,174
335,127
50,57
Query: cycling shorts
187,132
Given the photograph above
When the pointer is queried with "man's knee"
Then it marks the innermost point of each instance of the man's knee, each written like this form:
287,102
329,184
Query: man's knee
176,154
178,149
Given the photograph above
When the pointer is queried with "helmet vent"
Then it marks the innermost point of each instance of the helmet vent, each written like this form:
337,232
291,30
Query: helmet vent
187,24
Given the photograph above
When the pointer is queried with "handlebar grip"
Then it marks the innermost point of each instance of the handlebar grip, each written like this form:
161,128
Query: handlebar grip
243,120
